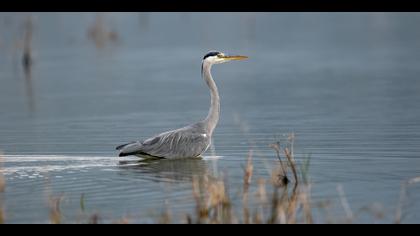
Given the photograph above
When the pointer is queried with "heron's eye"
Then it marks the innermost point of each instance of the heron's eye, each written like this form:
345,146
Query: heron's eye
220,55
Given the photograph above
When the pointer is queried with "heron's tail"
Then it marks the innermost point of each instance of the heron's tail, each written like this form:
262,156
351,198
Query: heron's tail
129,149
124,145
122,154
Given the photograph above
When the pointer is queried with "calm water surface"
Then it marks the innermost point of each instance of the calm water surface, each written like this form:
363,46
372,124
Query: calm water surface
346,84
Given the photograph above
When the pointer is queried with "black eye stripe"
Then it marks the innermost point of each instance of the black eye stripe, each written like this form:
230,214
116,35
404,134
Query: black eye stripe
210,54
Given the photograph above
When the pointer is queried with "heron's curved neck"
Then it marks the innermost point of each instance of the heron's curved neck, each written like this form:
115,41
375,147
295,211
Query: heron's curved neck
214,111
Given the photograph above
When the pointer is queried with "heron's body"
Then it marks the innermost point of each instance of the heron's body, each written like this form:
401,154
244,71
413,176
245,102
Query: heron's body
190,141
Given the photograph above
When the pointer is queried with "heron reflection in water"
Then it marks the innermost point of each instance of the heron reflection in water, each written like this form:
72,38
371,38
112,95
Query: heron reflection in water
165,170
190,141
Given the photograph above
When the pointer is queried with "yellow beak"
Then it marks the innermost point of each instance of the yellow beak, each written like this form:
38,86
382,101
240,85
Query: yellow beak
230,58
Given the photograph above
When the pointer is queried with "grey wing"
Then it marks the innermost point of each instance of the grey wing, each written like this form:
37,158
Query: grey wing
181,143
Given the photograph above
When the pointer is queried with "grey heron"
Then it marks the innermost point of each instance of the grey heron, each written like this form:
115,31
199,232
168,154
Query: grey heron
190,141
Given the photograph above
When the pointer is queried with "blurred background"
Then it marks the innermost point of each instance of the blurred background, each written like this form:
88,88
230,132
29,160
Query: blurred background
75,85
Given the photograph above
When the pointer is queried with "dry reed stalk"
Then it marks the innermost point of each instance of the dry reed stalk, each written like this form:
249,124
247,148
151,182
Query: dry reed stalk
248,170
217,199
202,212
275,206
55,211
262,197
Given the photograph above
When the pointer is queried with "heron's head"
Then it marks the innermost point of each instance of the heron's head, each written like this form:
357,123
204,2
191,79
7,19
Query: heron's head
214,57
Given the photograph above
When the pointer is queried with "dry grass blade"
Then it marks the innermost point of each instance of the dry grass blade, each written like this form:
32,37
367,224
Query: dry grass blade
248,172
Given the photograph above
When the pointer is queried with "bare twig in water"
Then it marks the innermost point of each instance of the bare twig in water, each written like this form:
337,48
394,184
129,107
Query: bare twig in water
289,157
282,176
276,147
285,209
292,163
